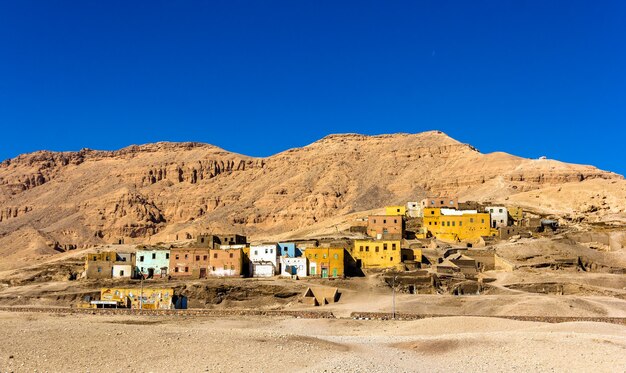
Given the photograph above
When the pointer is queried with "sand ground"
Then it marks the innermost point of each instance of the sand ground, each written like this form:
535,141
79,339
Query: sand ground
98,343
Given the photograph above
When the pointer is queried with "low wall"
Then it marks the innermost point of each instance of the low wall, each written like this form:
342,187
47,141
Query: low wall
548,319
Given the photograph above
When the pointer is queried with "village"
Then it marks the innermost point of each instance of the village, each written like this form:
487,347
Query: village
422,246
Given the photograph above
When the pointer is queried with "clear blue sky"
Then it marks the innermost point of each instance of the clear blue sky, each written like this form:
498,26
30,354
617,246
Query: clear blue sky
530,78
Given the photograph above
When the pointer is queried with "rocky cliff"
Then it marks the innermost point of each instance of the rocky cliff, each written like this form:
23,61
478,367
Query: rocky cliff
167,190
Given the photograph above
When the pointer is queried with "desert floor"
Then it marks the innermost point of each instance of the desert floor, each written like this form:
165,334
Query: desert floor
99,343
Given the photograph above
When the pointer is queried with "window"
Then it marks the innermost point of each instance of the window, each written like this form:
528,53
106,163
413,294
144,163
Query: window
500,211
214,255
374,221
430,223
186,269
225,267
231,255
266,251
435,223
232,267
432,212
367,248
121,273
153,255
324,256
395,221
336,256
471,220
140,258
448,223
205,257
213,268
393,246
96,258
167,255
256,252
451,202
397,210
197,258
432,202
99,269
315,256
360,248
482,221
107,258
186,256
460,224
376,248
453,223
175,269
384,222
391,258
177,256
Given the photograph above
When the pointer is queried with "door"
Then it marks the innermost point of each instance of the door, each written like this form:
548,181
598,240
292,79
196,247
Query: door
324,272
334,272
150,272
202,272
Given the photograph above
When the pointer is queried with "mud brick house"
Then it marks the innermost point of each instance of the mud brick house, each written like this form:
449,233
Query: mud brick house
377,254
152,262
225,262
326,261
109,264
389,227
189,262
213,241
440,202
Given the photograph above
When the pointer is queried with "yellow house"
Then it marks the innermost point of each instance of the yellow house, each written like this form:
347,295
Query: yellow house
454,225
153,299
395,210
377,254
325,261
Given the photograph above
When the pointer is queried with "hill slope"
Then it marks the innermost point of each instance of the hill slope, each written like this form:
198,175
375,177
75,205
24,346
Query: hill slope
158,191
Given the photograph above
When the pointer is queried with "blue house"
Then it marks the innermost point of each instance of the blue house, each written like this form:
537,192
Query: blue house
289,249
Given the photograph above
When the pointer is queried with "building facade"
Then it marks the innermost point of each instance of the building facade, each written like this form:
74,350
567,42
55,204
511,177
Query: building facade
261,256
454,225
440,202
290,266
377,254
189,262
499,216
225,262
395,210
152,263
215,240
123,270
385,226
289,249
325,261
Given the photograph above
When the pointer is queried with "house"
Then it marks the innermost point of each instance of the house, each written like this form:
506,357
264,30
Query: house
413,209
440,202
225,262
457,225
189,262
146,298
395,210
377,254
99,265
325,261
213,241
414,255
289,249
499,216
466,264
262,257
152,262
109,264
293,266
390,227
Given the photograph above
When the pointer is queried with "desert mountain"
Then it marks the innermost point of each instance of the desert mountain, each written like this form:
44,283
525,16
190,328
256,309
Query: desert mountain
167,190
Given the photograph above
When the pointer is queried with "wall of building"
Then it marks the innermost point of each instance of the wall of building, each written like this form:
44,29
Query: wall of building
325,261
263,269
123,270
293,266
499,216
413,209
98,269
189,262
264,253
148,298
395,210
458,227
411,255
156,260
440,202
385,226
381,254
225,262
289,249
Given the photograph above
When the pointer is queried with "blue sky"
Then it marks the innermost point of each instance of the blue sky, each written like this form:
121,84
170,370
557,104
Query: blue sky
530,78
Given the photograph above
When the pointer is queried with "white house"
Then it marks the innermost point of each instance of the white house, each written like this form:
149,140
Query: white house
264,255
413,209
293,266
499,216
122,270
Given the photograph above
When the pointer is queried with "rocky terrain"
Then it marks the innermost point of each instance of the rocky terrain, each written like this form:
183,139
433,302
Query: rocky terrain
53,202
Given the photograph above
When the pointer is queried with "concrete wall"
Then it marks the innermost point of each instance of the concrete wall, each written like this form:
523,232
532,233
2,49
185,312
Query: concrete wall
499,216
260,269
123,270
265,253
385,226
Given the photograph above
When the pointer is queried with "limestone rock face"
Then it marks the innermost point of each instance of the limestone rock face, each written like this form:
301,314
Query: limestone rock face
161,191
